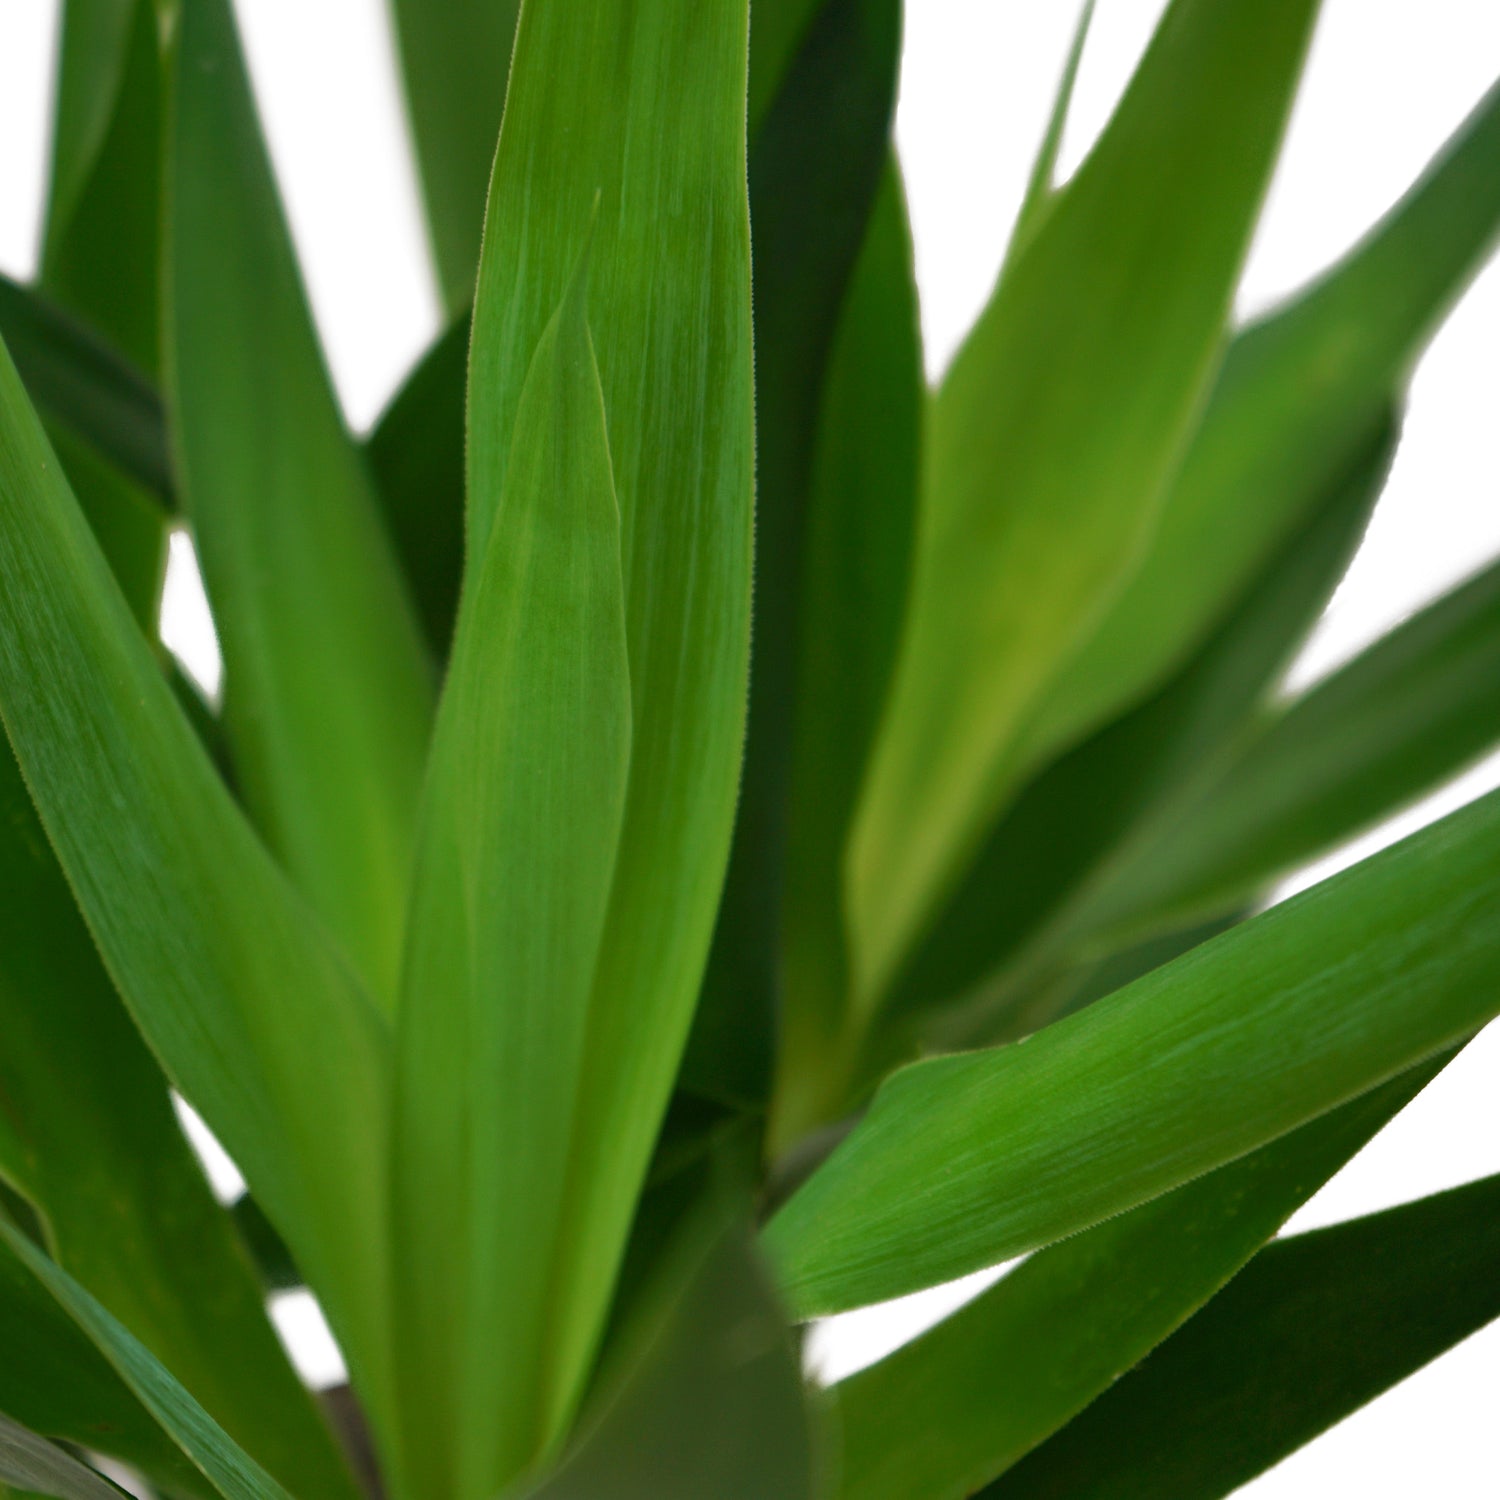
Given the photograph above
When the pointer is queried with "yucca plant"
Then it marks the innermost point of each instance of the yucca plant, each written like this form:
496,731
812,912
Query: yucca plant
588,991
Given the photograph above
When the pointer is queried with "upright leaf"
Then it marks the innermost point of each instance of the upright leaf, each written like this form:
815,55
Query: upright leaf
1054,436
455,59
640,111
815,164
956,1407
100,249
1314,1327
964,1161
861,514
776,33
520,827
1293,403
226,973
327,687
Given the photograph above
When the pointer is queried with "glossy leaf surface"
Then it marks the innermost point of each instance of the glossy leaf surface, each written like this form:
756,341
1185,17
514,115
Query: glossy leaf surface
965,1161
327,686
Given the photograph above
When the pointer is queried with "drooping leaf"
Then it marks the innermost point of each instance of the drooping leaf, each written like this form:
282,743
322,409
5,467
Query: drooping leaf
46,1469
1053,438
455,59
88,386
89,1137
1012,928
232,1473
54,1381
965,1161
815,164
1410,711
416,455
520,828
1313,1328
238,992
861,513
1295,400
707,1403
948,1412
327,686
101,243
635,117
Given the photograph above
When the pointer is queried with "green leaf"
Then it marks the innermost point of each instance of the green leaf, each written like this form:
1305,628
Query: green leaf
634,117
708,1402
810,209
1005,937
416,457
455,59
1294,401
777,30
520,827
236,989
1053,438
231,1472
89,1137
100,249
1314,1327
58,1384
45,1468
1412,710
965,1161
87,385
861,513
948,1412
327,686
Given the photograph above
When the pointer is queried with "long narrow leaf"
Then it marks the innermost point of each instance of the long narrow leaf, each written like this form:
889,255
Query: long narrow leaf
327,687
222,966
520,827
947,1413
45,1469
1054,436
1315,1326
967,1160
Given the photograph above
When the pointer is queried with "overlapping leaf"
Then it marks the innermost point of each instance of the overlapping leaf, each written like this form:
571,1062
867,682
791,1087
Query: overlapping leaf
327,686
46,1469
967,1160
1054,436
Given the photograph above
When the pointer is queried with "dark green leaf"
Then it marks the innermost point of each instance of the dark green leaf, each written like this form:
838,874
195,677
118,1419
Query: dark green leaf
416,455
948,1412
810,208
520,827
777,28
327,687
1053,438
1314,1327
964,1161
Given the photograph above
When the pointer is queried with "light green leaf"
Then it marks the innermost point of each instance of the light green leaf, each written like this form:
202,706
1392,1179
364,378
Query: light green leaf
231,1472
1314,1327
82,382
635,117
948,1412
1294,401
89,1137
965,1161
707,1404
223,968
861,514
455,58
1410,711
327,687
54,1381
810,205
101,242
520,827
416,457
46,1469
1054,436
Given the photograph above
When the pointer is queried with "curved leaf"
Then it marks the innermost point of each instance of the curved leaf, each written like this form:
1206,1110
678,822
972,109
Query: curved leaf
45,1468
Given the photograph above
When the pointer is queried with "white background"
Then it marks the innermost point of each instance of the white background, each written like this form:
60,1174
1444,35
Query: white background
1388,79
